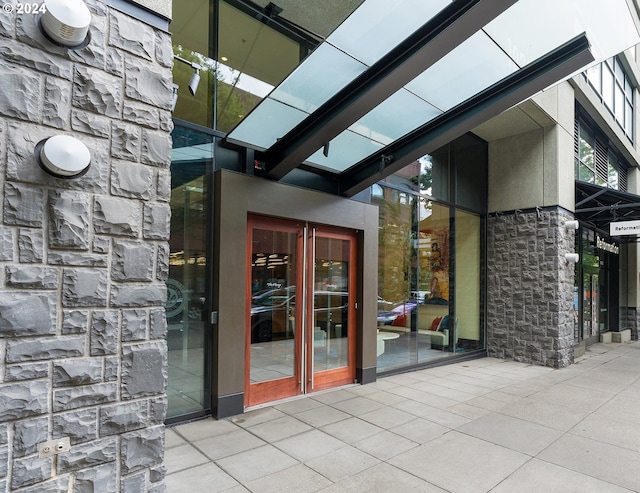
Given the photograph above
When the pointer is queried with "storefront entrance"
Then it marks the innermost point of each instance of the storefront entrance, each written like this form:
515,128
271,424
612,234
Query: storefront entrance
591,326
300,330
598,276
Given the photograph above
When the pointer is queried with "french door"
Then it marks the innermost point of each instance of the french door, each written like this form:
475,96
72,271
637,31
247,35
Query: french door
300,327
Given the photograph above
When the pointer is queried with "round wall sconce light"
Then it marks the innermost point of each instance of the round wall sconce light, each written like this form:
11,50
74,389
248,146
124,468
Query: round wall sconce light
571,224
63,156
66,22
572,257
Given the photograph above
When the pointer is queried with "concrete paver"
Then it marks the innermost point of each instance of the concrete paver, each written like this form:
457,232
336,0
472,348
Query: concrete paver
478,426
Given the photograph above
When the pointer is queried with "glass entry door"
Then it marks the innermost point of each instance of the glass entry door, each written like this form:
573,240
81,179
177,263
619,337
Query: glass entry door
591,307
300,330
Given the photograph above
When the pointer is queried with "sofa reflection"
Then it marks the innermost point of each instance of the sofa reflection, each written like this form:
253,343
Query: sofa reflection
427,319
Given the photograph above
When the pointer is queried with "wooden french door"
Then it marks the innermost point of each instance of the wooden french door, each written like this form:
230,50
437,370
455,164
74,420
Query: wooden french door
300,330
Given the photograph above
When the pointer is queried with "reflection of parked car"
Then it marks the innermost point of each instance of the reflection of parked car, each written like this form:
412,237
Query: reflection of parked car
397,315
270,313
273,313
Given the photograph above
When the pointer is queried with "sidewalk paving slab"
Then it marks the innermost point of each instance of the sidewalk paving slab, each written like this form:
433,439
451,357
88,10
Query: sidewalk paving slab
479,426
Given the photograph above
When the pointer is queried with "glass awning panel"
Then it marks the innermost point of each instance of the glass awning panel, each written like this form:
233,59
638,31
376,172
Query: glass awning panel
475,64
525,32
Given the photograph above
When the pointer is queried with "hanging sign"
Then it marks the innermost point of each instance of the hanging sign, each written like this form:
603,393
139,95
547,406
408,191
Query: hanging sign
624,228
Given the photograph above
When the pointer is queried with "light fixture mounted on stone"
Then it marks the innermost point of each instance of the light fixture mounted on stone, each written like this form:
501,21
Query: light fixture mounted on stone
66,23
63,156
572,257
571,224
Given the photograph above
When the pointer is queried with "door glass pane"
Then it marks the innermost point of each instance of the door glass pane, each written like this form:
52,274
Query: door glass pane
187,299
603,302
273,303
331,304
587,296
595,304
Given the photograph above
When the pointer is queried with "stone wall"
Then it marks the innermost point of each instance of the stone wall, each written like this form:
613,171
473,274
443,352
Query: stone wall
83,261
530,316
630,319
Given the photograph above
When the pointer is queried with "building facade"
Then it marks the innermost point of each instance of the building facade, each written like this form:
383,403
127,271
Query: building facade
280,200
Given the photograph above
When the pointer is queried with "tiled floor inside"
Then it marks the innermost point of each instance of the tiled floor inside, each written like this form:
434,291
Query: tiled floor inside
477,426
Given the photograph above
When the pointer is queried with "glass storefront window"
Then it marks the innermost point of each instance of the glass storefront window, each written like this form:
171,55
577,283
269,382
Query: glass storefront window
429,303
253,58
253,53
397,278
429,280
434,292
191,30
467,275
187,298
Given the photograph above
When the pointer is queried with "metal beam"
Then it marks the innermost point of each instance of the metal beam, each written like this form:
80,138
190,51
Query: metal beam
591,197
611,207
513,89
436,38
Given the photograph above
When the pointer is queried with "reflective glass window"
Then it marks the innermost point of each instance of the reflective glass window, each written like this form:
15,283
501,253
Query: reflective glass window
187,302
613,174
596,161
191,30
616,91
607,86
586,155
594,76
468,332
429,264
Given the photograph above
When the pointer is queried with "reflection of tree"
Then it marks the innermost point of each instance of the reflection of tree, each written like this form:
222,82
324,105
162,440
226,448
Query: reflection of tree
396,249
232,103
194,108
425,179
587,158
589,257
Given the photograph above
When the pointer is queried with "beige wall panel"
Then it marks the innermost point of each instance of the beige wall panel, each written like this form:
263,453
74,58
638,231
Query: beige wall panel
516,172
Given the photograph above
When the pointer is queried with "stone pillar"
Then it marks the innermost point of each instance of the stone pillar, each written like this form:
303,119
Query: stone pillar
530,315
630,319
83,262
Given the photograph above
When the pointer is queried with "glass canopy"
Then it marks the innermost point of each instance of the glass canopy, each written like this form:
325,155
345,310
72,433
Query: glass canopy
521,34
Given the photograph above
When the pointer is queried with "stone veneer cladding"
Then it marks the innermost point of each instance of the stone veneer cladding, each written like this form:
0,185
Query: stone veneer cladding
630,319
83,262
530,316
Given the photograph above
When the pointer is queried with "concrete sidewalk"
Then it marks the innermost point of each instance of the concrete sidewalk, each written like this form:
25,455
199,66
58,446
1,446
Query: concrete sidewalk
477,426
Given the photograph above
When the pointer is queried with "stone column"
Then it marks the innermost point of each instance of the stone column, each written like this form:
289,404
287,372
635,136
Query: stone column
83,262
530,315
